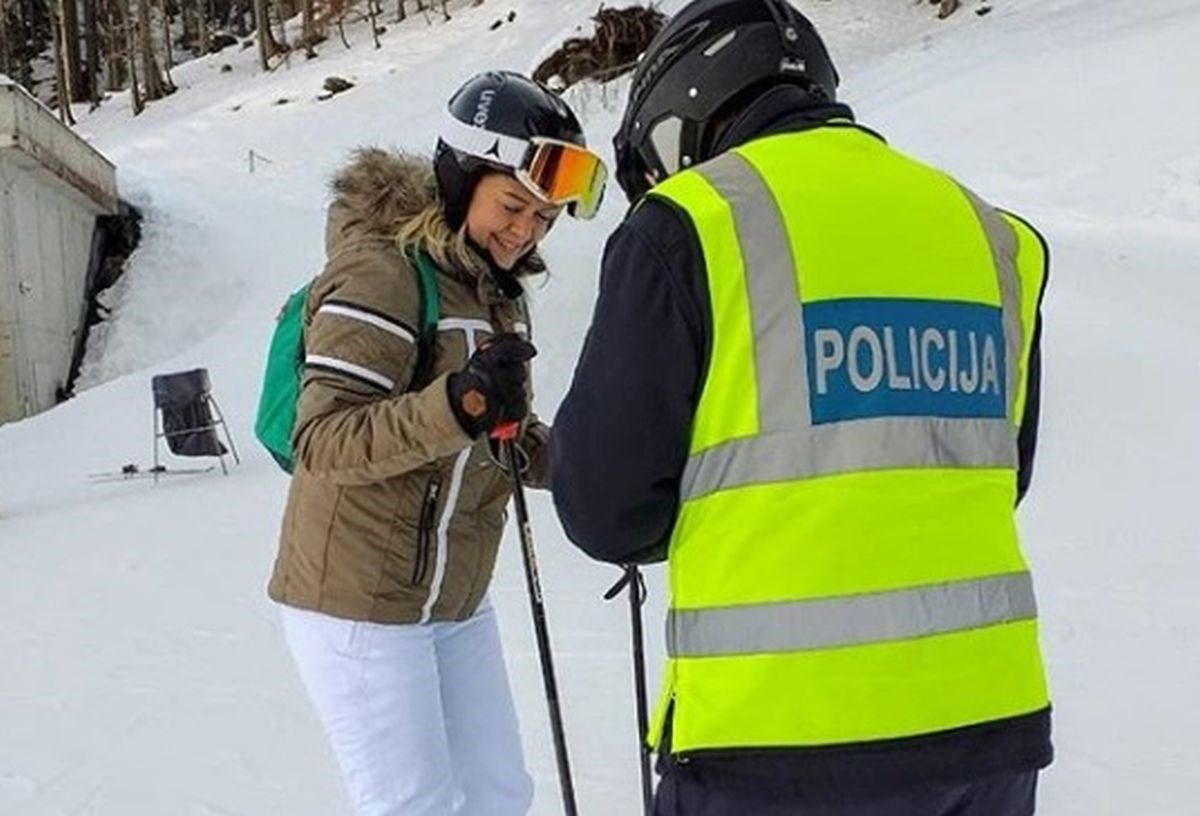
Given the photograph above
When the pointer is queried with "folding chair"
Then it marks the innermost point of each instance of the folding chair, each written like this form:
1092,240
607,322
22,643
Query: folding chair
184,411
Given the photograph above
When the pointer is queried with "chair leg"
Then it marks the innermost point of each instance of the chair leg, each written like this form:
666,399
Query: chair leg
156,438
228,436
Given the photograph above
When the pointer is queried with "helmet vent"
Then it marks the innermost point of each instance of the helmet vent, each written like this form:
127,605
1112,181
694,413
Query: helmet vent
720,43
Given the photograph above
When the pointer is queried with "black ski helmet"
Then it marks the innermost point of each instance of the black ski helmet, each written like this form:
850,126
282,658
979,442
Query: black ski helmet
500,102
713,57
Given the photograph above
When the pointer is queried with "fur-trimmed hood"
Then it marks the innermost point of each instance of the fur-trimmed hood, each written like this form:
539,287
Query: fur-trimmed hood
377,192
381,191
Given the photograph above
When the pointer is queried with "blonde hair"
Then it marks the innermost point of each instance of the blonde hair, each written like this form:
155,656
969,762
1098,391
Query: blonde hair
428,230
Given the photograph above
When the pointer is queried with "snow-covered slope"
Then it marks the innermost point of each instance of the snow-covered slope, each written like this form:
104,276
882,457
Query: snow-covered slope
143,672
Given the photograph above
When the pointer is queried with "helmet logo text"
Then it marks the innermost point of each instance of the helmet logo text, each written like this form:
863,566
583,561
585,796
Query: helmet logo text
483,108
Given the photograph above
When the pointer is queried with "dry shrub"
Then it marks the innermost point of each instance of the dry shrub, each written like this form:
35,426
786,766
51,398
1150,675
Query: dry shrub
620,36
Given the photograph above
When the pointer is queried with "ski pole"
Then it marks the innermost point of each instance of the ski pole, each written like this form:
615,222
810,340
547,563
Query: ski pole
637,596
507,435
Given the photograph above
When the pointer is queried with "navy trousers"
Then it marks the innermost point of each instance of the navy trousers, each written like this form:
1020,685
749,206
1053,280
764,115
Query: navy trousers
688,793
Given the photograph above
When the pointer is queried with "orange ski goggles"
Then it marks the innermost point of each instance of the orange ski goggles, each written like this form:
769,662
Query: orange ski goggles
565,174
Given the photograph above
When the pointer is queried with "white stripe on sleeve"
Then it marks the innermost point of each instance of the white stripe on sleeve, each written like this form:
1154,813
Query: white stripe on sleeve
351,369
379,322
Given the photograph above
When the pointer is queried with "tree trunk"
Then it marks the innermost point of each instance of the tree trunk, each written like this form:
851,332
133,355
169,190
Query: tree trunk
267,45
5,50
27,36
310,33
202,26
91,64
115,68
239,18
168,55
131,57
62,73
69,20
282,41
156,86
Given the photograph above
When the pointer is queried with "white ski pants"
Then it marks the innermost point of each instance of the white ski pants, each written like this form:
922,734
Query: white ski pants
420,717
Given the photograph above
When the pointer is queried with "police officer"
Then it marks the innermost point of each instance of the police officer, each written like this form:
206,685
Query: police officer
811,385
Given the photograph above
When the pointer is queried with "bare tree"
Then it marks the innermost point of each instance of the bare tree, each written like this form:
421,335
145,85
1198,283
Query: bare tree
5,48
268,46
239,9
127,27
91,64
24,38
283,9
202,27
60,81
374,27
68,13
168,56
401,15
62,72
156,86
111,45
115,67
307,27
199,17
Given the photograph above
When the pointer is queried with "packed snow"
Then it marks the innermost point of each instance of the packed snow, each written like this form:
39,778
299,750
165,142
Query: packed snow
144,672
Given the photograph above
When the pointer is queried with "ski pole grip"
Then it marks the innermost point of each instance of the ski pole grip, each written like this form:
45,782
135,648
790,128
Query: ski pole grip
506,431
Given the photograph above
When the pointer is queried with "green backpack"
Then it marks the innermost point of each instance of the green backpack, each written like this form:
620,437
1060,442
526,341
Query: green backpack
276,417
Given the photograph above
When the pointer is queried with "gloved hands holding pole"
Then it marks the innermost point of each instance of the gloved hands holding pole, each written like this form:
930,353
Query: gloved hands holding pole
490,389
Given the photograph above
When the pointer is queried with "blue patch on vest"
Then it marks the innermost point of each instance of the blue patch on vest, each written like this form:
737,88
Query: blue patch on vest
879,357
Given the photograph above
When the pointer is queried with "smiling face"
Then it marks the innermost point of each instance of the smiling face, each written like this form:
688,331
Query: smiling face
507,219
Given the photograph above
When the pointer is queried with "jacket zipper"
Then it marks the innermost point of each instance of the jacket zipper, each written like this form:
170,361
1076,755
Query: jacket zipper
425,530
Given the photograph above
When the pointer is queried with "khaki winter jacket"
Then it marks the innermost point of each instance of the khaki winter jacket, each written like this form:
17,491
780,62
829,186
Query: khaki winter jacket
394,513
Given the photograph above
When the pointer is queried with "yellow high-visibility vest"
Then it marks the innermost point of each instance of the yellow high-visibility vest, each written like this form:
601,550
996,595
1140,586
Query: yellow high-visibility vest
845,566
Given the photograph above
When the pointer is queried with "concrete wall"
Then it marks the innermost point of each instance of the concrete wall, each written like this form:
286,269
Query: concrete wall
53,185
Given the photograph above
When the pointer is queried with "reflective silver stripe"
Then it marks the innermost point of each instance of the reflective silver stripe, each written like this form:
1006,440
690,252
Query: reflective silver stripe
773,291
851,620
352,369
866,444
465,324
390,326
1002,240
442,541
789,446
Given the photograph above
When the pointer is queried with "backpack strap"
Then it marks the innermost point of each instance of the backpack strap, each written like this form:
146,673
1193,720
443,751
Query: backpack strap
431,308
524,305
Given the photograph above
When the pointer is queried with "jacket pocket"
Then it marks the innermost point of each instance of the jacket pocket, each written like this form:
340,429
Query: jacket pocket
425,530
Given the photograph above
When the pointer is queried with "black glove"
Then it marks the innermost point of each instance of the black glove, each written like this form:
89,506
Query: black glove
490,389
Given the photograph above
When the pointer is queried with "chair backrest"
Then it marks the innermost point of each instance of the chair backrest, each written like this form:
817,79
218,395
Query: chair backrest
183,397
180,388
